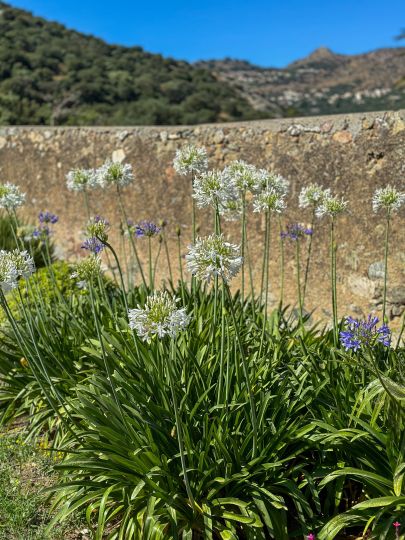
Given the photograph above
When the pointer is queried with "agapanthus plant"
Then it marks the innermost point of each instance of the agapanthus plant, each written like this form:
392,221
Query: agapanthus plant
269,200
242,174
190,159
270,181
13,265
44,230
364,334
296,232
146,229
98,227
332,207
312,196
11,196
214,256
87,271
389,200
214,189
81,179
159,317
93,245
114,173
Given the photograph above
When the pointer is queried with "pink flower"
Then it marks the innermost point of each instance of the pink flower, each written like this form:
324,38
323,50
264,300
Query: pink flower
311,536
396,524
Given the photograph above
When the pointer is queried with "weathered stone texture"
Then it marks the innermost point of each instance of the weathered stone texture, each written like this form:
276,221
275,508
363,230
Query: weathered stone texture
351,154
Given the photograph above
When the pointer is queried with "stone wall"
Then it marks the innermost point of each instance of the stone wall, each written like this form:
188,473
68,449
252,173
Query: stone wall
351,154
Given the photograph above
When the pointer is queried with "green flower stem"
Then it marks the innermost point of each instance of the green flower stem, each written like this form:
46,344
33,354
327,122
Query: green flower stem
333,278
125,219
183,296
243,242
245,370
222,350
179,429
281,242
265,257
169,266
155,263
194,211
387,232
150,263
299,282
308,261
117,262
86,203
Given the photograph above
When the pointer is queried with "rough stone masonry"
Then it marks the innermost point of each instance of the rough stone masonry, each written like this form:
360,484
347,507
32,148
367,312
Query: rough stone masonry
351,154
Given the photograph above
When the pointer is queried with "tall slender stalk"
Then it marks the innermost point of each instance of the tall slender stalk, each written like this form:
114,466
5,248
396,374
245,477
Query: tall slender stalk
308,261
299,281
169,266
179,428
387,230
281,241
150,263
222,349
243,241
180,266
333,279
132,241
86,203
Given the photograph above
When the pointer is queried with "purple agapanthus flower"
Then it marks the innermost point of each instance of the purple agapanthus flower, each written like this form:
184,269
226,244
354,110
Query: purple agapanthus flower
48,217
360,334
146,228
100,219
41,232
296,231
93,244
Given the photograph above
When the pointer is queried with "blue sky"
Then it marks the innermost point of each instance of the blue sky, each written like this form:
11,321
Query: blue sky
268,33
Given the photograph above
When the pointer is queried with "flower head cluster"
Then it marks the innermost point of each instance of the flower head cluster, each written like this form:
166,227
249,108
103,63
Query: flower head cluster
331,206
270,181
312,196
114,173
87,270
269,200
388,199
146,228
159,317
213,188
48,217
81,179
11,196
360,334
98,227
14,264
213,256
45,219
190,159
231,209
296,232
93,244
242,174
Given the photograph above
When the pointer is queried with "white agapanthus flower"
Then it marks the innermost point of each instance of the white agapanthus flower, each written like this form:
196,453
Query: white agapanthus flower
13,265
231,210
8,273
212,188
159,317
312,195
213,256
114,173
81,179
267,180
269,200
11,196
331,206
190,160
87,270
242,174
388,199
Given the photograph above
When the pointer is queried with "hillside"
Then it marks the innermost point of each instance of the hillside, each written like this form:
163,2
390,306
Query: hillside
51,75
55,76
322,83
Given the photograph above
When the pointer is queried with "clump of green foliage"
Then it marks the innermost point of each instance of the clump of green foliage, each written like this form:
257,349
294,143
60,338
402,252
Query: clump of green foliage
51,75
